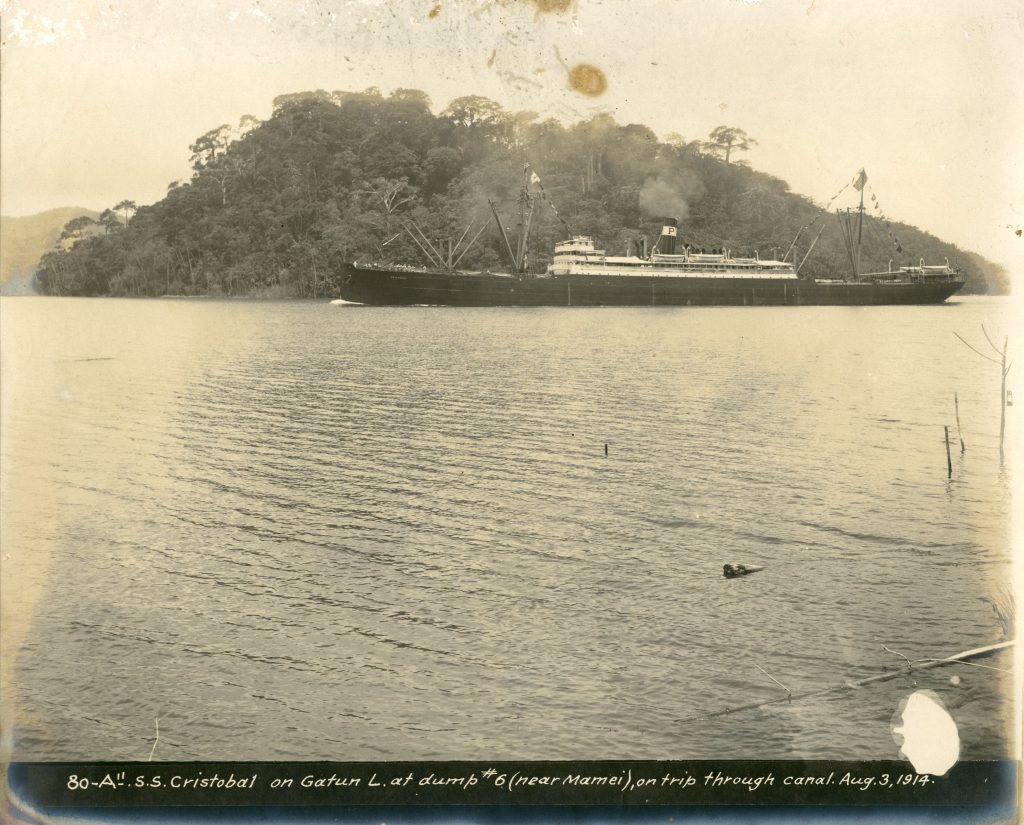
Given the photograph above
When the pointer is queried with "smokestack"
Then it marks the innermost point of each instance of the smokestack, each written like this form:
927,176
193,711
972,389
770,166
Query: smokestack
667,243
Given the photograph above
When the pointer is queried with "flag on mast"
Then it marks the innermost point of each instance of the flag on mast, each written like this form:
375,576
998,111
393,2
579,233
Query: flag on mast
860,180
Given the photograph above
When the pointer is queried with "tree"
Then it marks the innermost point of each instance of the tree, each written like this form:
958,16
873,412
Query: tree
210,155
109,221
726,138
126,206
247,124
682,146
301,97
474,110
210,146
390,195
517,126
75,228
414,96
442,164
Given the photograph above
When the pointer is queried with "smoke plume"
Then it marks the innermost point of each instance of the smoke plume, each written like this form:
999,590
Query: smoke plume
662,197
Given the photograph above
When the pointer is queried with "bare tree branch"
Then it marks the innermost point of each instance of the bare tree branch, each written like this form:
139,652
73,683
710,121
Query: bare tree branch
998,351
986,357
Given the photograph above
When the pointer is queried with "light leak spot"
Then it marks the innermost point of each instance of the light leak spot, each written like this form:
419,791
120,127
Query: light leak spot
926,733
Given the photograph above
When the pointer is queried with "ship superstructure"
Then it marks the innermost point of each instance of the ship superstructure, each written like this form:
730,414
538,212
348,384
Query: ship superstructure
578,256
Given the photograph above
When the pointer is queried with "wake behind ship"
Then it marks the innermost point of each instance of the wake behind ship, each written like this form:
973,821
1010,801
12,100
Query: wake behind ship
580,275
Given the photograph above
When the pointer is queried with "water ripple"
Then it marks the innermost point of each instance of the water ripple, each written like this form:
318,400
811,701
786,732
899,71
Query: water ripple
295,532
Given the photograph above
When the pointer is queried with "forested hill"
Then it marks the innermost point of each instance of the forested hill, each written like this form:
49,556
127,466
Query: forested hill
274,207
24,239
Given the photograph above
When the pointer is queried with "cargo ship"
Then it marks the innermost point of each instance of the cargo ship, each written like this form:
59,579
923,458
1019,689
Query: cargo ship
672,274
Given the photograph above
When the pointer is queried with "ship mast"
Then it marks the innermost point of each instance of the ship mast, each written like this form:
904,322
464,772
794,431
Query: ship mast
525,219
504,236
526,208
860,225
846,224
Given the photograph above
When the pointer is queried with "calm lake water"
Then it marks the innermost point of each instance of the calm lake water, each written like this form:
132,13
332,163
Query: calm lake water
310,531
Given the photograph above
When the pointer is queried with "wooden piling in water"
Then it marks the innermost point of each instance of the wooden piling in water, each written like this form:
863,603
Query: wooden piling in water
960,435
949,461
1002,396
1003,369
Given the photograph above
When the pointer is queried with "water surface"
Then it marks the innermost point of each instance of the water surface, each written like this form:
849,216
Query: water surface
305,531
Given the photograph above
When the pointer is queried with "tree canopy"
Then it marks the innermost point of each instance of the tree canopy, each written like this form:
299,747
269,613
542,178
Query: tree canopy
274,207
724,139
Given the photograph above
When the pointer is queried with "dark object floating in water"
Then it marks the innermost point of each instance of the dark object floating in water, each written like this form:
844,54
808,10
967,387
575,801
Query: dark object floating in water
732,572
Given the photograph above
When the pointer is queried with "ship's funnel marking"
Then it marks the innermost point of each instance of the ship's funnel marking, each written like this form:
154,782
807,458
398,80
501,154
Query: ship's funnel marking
667,242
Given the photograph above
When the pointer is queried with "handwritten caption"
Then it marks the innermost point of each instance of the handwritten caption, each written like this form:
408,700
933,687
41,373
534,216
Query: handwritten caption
490,779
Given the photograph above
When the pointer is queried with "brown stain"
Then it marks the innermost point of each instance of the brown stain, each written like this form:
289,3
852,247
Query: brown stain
587,80
1019,232
434,12
490,60
552,6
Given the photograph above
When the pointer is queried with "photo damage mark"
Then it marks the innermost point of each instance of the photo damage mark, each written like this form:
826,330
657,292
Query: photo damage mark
552,6
588,80
926,733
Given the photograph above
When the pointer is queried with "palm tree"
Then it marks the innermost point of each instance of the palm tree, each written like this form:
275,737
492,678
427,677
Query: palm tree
126,206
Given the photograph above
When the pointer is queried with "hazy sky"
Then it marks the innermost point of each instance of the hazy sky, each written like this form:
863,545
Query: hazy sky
100,100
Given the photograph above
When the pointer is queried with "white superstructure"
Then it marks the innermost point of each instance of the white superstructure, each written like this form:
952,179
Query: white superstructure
578,257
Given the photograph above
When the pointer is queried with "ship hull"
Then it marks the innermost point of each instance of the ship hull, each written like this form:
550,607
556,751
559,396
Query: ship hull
384,286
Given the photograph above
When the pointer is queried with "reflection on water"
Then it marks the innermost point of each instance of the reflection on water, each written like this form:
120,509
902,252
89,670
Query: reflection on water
303,531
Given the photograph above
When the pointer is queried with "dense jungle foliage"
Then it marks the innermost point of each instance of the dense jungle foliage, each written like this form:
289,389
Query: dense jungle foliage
274,207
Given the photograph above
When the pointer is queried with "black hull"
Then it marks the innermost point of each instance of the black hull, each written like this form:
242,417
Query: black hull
384,286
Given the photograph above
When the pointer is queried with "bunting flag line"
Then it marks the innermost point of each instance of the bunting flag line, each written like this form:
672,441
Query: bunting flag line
883,217
875,203
836,195
859,182
535,179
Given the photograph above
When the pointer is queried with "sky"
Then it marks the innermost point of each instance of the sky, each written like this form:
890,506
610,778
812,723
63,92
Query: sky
99,100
